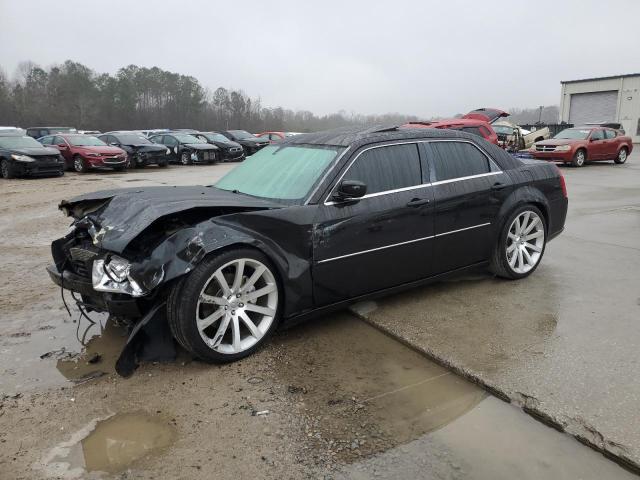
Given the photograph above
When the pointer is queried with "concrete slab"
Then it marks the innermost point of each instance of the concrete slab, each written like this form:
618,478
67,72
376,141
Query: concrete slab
563,343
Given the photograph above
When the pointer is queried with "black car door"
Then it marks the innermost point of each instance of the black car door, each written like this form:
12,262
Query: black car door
469,189
382,239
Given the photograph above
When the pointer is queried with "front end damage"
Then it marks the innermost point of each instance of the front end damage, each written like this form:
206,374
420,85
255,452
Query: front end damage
125,250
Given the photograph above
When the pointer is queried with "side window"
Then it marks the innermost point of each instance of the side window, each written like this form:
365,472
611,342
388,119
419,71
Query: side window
59,141
610,134
597,135
170,141
457,159
46,140
387,168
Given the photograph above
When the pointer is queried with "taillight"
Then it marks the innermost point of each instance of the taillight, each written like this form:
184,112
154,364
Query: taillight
563,184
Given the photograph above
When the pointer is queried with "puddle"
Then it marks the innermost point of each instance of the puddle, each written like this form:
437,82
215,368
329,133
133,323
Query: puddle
110,445
370,392
380,409
58,352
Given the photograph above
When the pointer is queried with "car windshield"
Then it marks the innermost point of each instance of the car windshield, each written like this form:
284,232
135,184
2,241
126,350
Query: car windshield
280,173
573,134
85,141
19,142
241,134
215,137
132,139
184,138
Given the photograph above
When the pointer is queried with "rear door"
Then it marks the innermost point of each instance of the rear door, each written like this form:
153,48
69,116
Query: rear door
611,150
381,240
469,189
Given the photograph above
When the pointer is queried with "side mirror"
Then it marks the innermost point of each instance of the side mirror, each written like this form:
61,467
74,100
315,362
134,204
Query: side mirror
350,189
114,144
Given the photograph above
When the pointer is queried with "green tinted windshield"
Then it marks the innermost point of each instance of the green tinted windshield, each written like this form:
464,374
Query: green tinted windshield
281,173
18,142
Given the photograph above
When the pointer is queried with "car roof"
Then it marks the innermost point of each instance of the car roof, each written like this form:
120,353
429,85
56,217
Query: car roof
357,136
463,122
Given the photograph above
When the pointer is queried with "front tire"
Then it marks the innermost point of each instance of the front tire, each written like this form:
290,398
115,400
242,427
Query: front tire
80,164
521,244
227,307
5,169
579,158
622,156
185,158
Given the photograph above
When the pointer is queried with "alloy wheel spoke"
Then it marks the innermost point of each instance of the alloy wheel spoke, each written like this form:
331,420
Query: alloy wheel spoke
534,235
527,257
226,291
254,278
525,222
531,225
533,247
237,280
520,259
511,236
250,325
252,296
205,322
235,327
252,307
511,248
210,299
222,329
513,259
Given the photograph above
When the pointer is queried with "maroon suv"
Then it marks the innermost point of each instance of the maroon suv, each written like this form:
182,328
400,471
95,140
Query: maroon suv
84,152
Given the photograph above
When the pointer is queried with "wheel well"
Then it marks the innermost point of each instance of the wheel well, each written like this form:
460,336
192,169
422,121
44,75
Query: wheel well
542,207
586,154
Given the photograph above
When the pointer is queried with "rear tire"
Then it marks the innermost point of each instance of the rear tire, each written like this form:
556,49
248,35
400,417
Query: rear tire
521,244
622,156
227,307
579,158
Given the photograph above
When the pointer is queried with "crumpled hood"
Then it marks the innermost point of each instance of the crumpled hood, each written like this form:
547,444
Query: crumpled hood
129,211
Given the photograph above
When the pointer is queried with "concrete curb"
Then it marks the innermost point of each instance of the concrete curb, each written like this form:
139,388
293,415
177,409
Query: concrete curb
577,428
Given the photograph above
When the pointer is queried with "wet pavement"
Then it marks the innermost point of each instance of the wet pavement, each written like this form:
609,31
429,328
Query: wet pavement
333,398
563,343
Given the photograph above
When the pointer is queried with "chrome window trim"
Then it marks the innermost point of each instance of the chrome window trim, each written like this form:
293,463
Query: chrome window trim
413,187
401,243
326,174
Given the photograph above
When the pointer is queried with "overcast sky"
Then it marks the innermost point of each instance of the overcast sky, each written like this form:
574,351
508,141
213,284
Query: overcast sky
414,57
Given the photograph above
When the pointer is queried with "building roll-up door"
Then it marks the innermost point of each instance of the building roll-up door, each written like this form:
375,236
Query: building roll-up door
593,107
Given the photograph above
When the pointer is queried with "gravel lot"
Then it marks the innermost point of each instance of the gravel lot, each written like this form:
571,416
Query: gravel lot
314,403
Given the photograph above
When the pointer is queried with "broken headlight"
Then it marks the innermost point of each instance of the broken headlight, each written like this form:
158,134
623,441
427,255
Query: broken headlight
23,158
112,274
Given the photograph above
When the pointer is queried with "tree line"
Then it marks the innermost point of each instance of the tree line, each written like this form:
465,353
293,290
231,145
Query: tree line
72,94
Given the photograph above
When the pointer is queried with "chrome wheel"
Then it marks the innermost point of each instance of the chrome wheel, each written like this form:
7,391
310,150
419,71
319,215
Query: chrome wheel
185,158
525,241
4,168
579,158
622,156
237,306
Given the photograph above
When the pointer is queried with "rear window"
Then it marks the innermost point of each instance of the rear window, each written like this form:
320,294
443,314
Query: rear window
610,133
456,160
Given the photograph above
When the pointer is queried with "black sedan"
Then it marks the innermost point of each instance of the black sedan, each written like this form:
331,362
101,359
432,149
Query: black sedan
140,150
230,151
250,143
21,155
304,227
187,149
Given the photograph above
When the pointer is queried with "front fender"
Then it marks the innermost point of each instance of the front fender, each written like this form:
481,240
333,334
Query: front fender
182,251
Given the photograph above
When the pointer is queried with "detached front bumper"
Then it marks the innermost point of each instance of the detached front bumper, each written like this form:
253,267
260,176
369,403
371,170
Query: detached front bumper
113,303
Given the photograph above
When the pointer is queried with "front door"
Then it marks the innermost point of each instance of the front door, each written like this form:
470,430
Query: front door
597,145
381,240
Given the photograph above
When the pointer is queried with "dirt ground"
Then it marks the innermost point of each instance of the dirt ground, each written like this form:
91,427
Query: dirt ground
334,398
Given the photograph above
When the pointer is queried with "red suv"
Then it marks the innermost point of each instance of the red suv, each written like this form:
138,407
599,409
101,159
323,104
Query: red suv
83,152
584,144
469,125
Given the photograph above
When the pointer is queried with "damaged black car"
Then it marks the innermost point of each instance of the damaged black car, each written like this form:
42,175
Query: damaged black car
21,155
305,227
140,150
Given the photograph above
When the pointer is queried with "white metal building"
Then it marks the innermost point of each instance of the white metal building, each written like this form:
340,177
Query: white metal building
604,99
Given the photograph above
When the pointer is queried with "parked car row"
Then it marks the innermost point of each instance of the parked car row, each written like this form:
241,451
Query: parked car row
66,148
